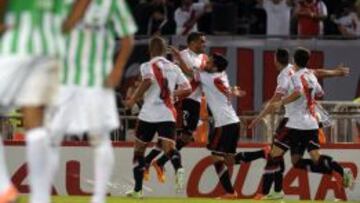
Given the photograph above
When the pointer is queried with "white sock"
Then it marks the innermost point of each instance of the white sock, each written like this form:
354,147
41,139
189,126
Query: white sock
53,165
4,178
37,151
104,163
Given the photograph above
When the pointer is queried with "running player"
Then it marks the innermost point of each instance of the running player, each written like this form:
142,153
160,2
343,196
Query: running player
303,122
30,46
158,114
275,174
192,58
223,144
87,98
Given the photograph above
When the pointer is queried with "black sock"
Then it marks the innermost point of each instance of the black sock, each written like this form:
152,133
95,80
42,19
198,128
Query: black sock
180,144
305,164
139,162
151,156
224,176
337,167
323,166
278,181
162,160
278,176
268,179
248,156
175,159
274,171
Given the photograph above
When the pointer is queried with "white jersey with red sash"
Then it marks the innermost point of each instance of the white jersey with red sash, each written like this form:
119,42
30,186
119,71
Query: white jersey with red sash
302,114
197,62
158,99
217,92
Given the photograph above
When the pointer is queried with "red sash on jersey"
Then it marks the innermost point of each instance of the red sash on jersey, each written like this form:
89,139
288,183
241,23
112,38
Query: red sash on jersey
309,99
187,25
219,84
164,89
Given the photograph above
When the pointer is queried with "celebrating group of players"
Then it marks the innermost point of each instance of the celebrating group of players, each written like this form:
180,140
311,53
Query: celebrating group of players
38,37
164,83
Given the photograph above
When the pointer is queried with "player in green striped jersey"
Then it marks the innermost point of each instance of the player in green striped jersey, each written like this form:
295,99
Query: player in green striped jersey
87,97
30,47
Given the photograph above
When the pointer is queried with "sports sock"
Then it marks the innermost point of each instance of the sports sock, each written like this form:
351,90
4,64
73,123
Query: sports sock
139,166
248,156
224,176
175,159
151,156
103,164
273,173
37,151
162,160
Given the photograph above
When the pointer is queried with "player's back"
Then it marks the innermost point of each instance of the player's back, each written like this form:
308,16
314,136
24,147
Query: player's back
33,28
302,113
158,99
217,92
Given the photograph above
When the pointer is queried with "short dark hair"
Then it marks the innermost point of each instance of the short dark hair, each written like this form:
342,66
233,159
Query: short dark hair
282,56
301,57
194,36
220,62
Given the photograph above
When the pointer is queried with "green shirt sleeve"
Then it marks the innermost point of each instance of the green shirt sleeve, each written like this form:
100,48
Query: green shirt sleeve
122,19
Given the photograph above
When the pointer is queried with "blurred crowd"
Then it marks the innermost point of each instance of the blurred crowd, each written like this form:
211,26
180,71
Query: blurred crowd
248,17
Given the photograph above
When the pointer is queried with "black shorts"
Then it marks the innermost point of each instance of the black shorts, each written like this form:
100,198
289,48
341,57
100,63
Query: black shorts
145,131
225,139
304,140
190,115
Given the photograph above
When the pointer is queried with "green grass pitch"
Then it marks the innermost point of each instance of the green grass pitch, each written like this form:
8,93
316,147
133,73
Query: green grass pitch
61,199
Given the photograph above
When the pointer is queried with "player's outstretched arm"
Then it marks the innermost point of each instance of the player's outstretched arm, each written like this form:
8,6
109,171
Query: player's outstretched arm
184,67
266,110
339,71
127,45
291,98
76,14
139,92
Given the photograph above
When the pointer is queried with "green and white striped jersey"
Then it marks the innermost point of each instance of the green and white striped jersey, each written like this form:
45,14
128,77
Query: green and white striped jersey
34,28
90,46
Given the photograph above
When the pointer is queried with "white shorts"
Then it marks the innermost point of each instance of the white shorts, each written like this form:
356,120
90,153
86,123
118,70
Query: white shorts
27,81
81,110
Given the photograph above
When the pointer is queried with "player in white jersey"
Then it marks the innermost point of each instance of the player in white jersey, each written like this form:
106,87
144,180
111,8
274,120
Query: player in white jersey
86,102
303,124
275,164
223,143
191,58
30,46
160,78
